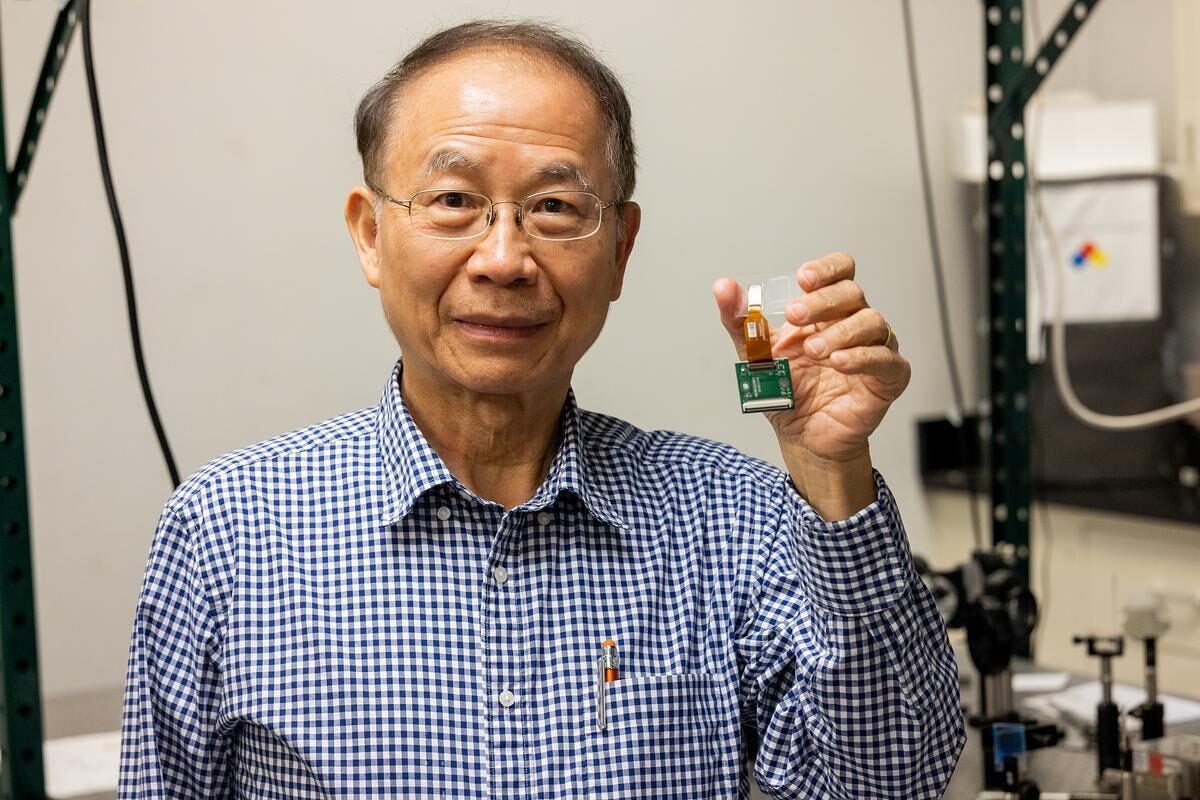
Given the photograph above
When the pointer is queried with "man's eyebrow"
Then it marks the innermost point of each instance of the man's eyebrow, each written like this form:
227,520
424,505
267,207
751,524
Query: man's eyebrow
557,171
451,161
565,172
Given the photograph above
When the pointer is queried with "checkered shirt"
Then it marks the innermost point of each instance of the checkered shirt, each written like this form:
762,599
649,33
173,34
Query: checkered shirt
331,614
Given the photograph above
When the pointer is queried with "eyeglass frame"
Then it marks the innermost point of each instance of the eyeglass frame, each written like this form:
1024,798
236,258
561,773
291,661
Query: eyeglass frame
492,215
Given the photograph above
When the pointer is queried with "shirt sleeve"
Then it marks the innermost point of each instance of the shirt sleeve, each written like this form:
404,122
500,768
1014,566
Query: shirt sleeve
171,745
848,680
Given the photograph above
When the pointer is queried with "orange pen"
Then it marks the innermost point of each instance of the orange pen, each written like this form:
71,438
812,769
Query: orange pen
607,671
609,657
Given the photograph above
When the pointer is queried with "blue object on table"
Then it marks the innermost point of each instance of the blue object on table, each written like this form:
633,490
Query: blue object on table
1008,739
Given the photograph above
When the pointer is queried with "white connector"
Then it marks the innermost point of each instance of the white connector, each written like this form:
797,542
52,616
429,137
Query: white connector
1169,598
1145,617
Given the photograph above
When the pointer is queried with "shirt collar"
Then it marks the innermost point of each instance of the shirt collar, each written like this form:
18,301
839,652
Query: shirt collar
412,468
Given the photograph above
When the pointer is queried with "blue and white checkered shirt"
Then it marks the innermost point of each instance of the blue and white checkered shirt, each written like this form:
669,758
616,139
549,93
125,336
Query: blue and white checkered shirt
330,613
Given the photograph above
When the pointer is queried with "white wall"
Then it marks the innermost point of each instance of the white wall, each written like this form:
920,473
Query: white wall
229,129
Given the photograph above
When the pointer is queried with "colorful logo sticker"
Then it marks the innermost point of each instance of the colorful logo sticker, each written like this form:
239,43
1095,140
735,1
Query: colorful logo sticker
1089,253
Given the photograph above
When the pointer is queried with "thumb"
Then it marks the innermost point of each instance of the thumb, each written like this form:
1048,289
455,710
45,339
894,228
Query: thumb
731,300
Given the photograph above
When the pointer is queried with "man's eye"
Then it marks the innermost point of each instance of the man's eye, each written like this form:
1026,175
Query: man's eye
553,205
453,200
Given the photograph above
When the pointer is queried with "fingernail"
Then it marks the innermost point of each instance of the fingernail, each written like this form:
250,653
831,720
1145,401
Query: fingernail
816,346
809,275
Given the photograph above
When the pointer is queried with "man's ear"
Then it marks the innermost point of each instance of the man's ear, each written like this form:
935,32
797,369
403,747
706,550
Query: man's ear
627,230
360,222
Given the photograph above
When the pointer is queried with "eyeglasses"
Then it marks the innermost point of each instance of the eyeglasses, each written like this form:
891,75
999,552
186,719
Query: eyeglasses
450,214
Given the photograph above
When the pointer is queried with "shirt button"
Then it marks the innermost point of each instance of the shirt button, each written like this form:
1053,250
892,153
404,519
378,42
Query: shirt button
500,574
544,518
507,699
443,513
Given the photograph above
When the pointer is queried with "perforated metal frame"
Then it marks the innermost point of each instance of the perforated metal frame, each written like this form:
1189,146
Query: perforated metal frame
22,774
1010,82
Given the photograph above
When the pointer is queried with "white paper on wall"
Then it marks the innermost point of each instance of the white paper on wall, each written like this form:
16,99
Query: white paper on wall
1107,231
1096,162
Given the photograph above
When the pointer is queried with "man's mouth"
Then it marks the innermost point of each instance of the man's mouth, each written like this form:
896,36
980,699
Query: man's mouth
498,328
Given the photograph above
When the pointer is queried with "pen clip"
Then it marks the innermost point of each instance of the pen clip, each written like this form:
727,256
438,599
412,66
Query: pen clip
601,709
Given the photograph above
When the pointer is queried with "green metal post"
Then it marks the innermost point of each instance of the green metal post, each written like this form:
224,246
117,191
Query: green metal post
22,775
1008,366
1010,84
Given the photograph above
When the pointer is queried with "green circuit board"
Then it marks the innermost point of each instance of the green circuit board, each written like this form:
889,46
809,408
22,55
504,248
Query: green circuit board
765,387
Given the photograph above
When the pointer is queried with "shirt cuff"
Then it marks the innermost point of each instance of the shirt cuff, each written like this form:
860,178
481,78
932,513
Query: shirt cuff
856,566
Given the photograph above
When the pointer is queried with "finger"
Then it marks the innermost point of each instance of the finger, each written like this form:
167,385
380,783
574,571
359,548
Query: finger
825,271
893,341
877,361
731,300
790,338
865,327
827,304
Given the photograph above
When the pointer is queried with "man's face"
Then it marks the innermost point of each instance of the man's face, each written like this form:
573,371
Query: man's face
502,313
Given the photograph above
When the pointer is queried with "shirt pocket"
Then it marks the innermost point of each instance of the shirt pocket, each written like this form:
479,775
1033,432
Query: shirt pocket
266,768
668,736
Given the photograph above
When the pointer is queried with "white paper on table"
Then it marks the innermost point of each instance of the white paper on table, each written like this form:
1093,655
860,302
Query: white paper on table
1079,702
1040,681
82,765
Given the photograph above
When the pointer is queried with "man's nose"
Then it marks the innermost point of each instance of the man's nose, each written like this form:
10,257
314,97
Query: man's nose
502,253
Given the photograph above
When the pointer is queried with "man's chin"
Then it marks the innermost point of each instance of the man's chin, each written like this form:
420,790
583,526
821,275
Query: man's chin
506,374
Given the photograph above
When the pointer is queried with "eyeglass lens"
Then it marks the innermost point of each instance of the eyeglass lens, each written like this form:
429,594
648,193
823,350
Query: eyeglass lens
448,214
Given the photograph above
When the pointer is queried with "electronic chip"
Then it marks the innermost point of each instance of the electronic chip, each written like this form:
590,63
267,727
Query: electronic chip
765,386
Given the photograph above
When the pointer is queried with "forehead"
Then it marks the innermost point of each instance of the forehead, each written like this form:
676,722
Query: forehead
505,111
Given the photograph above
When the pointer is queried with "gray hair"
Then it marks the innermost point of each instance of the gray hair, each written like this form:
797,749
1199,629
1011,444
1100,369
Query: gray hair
374,115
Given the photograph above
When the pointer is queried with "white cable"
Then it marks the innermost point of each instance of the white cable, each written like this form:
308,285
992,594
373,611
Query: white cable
1058,344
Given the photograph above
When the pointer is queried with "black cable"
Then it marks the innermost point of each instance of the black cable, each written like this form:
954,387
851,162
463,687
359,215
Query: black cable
939,276
85,7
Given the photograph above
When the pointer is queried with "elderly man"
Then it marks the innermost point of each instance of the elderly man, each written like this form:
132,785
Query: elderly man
409,601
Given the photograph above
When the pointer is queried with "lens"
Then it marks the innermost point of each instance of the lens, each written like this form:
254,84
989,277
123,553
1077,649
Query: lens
561,215
447,214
